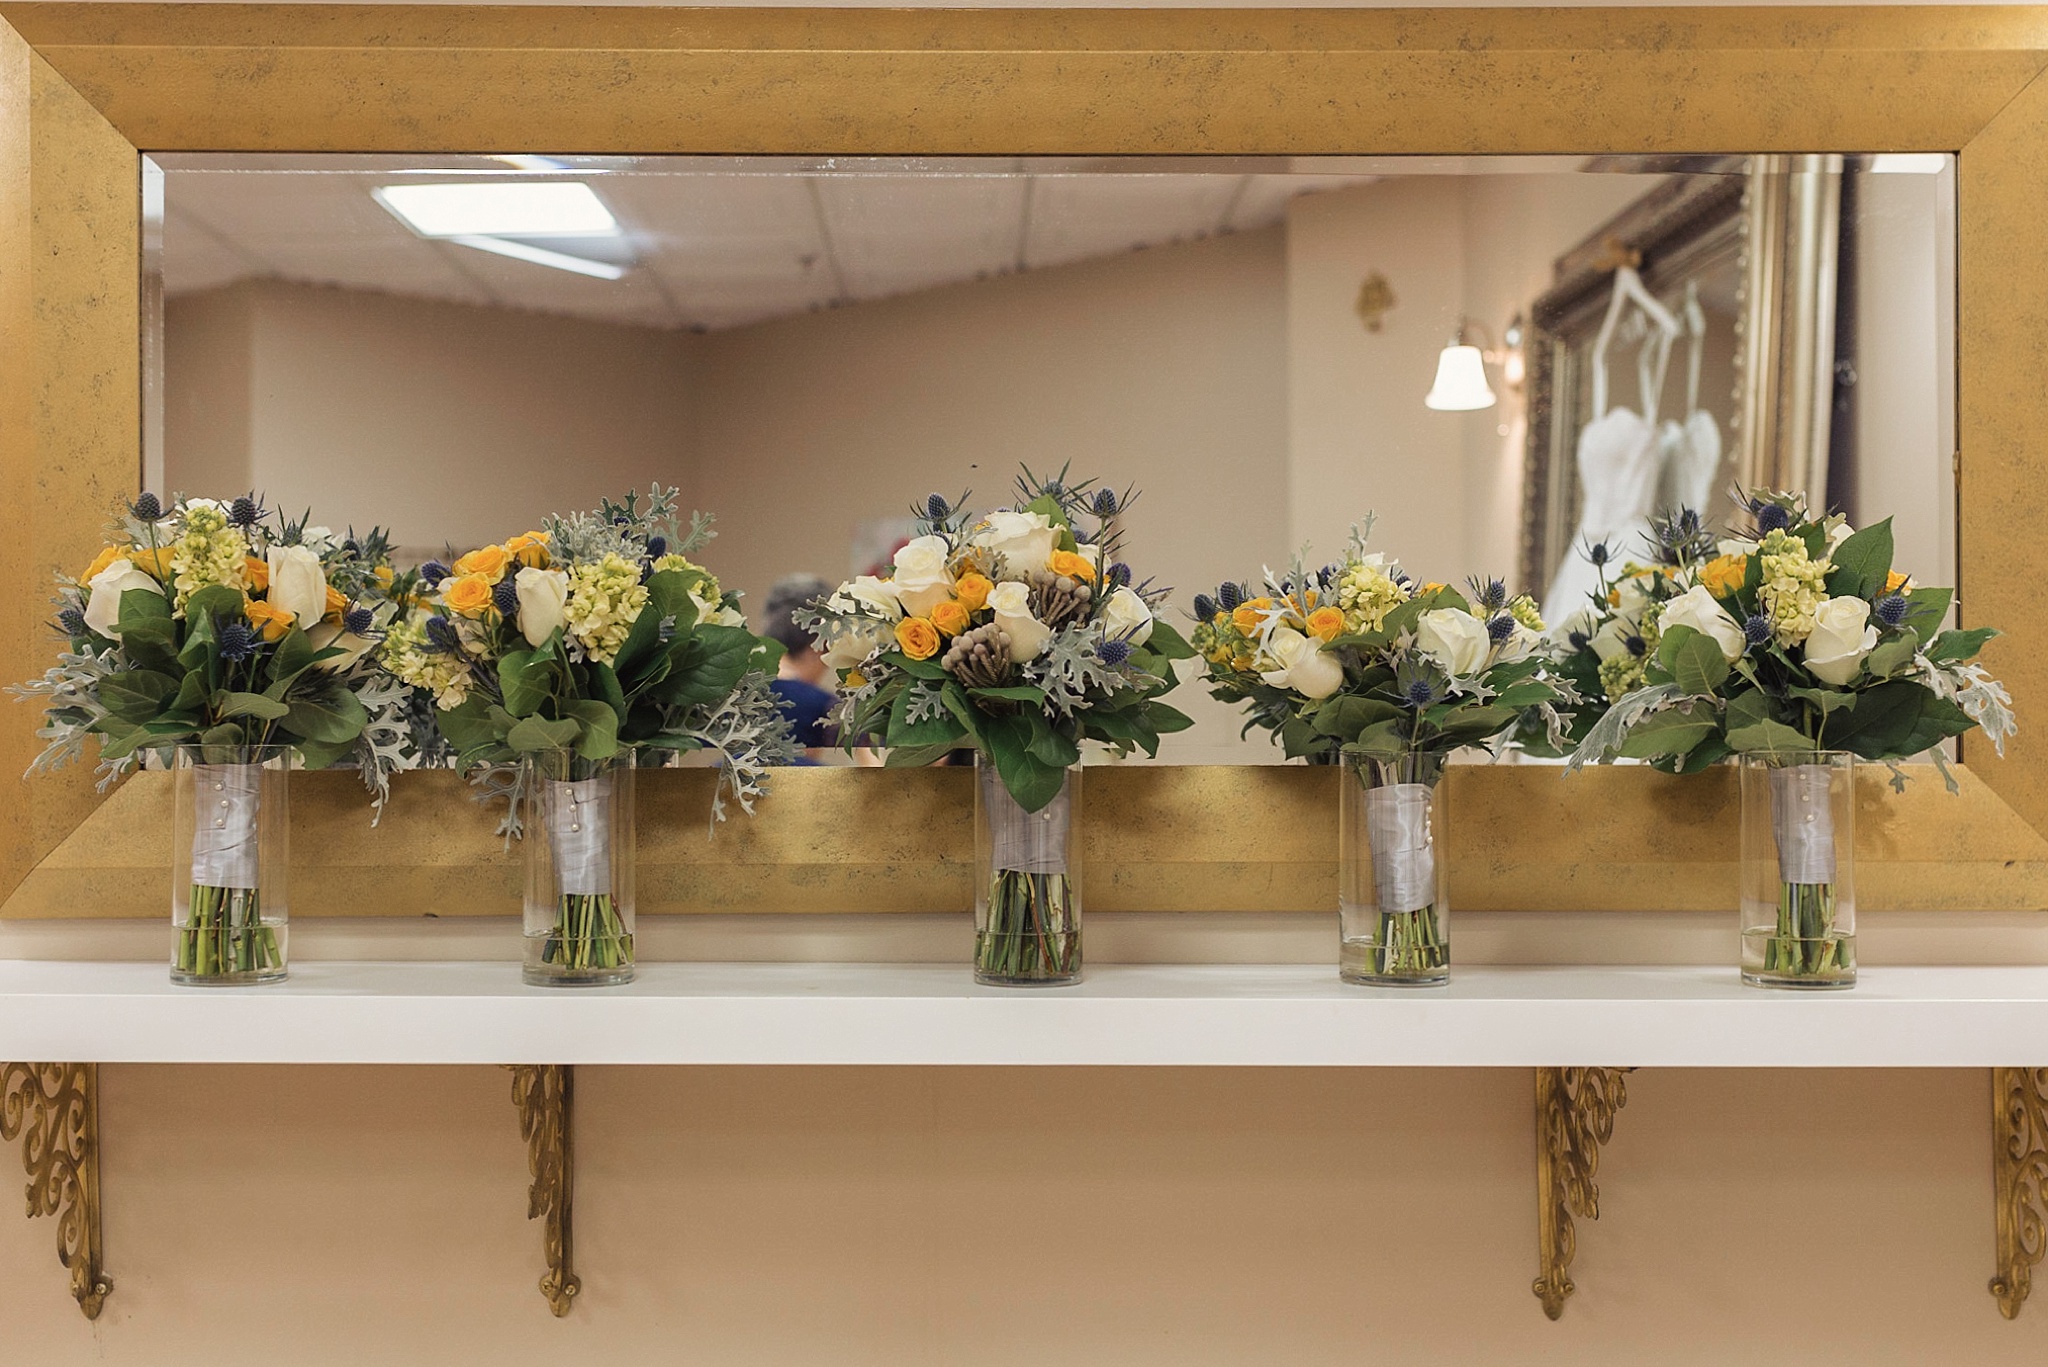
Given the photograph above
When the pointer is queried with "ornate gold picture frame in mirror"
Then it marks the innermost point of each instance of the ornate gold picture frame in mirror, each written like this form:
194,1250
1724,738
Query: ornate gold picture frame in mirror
86,88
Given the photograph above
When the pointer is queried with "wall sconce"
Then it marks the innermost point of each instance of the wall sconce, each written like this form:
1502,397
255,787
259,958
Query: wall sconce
1461,385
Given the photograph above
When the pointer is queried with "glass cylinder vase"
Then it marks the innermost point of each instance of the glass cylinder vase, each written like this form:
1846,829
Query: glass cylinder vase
1393,919
579,840
1798,853
230,840
1027,887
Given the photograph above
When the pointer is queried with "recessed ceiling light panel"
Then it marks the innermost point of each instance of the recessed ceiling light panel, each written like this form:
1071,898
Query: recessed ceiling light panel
545,208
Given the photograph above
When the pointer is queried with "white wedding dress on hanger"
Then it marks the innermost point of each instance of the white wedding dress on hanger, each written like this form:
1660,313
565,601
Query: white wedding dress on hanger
1692,449
1620,459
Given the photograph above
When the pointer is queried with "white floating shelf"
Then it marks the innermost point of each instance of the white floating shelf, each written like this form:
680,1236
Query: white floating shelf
897,1014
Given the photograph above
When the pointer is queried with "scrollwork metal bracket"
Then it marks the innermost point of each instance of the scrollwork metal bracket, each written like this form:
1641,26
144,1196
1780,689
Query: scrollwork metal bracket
1575,1110
54,1109
2019,1157
544,1094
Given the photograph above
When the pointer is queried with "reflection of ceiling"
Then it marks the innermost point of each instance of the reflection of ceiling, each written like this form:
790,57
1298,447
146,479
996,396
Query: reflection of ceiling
714,250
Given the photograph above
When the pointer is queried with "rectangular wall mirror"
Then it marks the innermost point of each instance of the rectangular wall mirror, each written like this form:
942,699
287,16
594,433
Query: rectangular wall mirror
462,343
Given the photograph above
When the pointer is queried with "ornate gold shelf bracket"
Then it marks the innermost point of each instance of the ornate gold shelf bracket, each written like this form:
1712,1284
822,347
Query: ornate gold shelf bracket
1575,1110
2019,1159
544,1094
54,1109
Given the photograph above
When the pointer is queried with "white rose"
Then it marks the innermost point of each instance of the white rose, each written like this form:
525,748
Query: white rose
1456,640
103,595
921,580
1838,532
1125,617
1520,645
1611,641
297,583
351,646
1023,539
543,602
1633,594
849,648
1842,636
1304,667
1011,604
877,596
1735,545
1697,609
320,538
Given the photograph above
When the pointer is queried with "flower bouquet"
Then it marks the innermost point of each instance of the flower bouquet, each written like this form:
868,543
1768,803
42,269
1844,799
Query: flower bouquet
561,659
1604,646
1357,665
1020,634
229,644
1800,650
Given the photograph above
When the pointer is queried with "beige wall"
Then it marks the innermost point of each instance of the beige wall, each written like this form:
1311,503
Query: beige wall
444,422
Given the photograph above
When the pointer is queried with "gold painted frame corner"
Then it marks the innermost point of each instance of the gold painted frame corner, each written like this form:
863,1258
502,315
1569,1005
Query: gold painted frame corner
85,88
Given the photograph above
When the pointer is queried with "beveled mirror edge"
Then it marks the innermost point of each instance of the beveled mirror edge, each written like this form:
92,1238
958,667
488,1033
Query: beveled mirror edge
83,86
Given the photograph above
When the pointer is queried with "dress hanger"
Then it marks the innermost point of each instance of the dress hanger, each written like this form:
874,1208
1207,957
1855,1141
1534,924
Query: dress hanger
1628,289
1696,333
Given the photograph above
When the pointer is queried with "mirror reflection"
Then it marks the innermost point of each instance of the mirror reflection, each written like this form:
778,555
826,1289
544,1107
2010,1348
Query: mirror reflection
1505,359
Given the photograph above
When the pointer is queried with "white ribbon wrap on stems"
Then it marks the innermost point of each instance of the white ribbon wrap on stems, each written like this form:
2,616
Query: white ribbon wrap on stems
1803,823
1403,857
1026,842
226,798
579,822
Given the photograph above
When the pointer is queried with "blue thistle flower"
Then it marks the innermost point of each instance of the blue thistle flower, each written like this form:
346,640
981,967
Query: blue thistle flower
358,620
1054,488
1598,553
505,597
244,511
1757,630
236,641
1113,652
1105,503
1420,694
442,637
657,547
72,621
1772,518
1490,594
1230,596
1579,640
1327,576
433,572
147,507
1119,575
1500,627
1637,646
1892,609
1205,608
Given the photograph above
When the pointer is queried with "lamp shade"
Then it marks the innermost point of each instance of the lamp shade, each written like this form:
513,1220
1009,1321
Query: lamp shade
1460,381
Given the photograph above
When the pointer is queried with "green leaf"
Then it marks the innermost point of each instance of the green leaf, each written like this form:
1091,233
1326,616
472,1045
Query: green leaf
1862,562
322,754
1298,738
1896,720
1048,745
1673,732
1926,610
1346,715
1694,660
600,736
1768,738
142,609
1382,740
336,716
469,726
293,656
1023,693
1956,647
1165,718
916,669
605,682
940,730
1891,656
226,704
215,600
710,666
535,733
137,695
1828,700
1031,781
1167,643
915,756
527,679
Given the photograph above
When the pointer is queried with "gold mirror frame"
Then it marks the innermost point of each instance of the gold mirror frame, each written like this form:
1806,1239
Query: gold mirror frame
84,86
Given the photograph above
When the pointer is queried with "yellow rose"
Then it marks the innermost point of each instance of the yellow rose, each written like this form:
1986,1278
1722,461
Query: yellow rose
383,575
107,556
468,594
529,549
855,679
488,561
1073,566
255,573
272,621
1896,582
973,590
1326,624
1724,574
337,604
950,617
1248,615
156,562
917,638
